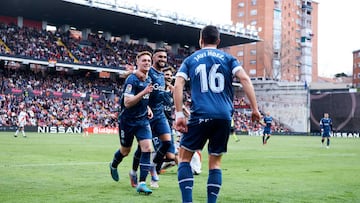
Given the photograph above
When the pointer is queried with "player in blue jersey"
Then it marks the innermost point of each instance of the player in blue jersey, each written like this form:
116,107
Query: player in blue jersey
326,128
210,72
159,124
168,95
134,121
268,120
171,157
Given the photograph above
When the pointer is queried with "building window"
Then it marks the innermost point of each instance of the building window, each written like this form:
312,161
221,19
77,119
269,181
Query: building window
241,14
240,53
253,52
252,62
358,54
253,2
241,5
253,12
253,22
358,65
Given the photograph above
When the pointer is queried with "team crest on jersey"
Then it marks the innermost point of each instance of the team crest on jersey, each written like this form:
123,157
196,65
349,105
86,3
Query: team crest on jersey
128,88
146,96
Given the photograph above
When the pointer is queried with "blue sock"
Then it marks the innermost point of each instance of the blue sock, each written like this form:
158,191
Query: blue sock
328,142
144,165
214,185
118,157
136,159
186,181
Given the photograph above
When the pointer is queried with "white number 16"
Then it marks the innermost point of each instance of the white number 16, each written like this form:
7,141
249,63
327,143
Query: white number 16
214,76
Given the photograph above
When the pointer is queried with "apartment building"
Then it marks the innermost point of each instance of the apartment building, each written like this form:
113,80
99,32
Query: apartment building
288,29
356,69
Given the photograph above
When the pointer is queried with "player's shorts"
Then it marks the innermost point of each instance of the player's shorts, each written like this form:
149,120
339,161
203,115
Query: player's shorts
127,132
267,131
157,144
22,124
326,134
217,131
160,126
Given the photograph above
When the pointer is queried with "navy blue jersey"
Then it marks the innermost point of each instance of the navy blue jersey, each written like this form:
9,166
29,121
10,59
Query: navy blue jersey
168,105
157,95
138,112
268,121
210,72
326,124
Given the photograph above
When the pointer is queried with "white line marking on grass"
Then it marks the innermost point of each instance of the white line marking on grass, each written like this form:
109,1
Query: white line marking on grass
54,164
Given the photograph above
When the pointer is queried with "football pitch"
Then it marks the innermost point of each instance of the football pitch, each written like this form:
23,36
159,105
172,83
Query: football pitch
72,168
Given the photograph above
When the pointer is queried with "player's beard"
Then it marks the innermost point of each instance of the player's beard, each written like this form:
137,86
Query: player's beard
160,65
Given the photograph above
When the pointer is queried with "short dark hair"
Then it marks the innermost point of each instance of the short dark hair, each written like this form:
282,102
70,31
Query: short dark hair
210,34
161,49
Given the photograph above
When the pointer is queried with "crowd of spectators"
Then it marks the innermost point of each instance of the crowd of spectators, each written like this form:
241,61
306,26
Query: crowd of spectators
60,46
58,111
67,112
79,82
31,43
94,50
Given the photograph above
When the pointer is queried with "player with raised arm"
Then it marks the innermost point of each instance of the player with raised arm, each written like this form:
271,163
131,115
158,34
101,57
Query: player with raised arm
134,121
159,125
210,72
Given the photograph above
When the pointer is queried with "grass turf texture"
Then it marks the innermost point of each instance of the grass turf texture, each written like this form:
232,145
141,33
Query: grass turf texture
72,168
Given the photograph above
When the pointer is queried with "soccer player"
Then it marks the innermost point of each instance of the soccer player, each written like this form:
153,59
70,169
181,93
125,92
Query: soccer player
159,125
211,74
267,127
21,122
195,162
171,155
85,126
134,121
232,130
326,128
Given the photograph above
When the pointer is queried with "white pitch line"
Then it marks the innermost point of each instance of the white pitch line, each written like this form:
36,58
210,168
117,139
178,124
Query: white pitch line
54,164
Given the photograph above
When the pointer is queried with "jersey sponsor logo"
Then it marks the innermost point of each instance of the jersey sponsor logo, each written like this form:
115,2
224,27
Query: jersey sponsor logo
158,87
146,96
167,108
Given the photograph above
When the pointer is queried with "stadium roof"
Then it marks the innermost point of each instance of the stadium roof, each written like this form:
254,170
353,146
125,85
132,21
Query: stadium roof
58,12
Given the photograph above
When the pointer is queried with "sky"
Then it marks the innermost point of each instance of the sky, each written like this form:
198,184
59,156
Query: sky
338,31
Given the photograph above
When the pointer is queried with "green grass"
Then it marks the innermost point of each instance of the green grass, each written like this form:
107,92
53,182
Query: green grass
71,168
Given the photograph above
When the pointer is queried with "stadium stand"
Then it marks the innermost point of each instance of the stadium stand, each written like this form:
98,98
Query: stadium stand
46,90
